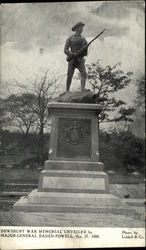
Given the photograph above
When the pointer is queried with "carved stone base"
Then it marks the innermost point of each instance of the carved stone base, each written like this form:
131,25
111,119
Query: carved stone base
86,96
74,181
71,203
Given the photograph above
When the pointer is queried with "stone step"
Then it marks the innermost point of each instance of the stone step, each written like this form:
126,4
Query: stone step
12,184
72,198
9,161
131,201
5,193
73,172
8,157
24,205
74,165
72,180
7,201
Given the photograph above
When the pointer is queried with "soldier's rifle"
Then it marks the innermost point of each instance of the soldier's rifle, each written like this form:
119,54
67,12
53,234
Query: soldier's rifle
84,49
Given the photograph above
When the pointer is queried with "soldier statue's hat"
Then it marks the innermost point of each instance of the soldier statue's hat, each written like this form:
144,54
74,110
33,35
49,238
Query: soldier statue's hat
77,26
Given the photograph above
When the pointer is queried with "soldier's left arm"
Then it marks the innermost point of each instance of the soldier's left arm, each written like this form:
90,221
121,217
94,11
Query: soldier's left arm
66,47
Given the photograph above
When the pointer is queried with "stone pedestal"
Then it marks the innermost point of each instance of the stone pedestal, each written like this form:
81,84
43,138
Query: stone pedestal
73,179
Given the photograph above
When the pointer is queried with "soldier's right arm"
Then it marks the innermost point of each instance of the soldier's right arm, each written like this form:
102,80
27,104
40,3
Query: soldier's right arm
67,48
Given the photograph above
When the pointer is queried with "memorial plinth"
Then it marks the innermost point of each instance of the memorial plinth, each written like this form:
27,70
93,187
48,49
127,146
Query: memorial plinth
73,179
73,164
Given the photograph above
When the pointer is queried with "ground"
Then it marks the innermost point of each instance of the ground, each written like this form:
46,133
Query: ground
71,219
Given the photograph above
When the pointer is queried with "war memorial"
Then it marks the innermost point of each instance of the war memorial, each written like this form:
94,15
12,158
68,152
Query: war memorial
73,179
72,159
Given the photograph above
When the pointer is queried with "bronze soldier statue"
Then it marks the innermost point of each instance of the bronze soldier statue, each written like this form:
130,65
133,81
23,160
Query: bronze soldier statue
73,45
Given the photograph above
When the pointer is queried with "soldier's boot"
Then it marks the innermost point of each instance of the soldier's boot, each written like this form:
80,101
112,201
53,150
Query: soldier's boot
68,83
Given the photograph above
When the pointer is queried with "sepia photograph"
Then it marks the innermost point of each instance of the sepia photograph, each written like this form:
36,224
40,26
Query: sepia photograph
72,124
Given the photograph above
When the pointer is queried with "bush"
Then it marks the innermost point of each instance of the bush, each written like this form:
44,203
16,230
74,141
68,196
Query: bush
122,151
14,143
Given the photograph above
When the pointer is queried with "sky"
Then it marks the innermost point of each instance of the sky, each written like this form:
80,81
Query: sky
33,37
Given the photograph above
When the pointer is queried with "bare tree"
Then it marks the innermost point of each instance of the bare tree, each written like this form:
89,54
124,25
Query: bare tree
19,110
4,119
43,89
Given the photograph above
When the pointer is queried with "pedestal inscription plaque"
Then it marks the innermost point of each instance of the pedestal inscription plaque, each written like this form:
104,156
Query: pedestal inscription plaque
74,138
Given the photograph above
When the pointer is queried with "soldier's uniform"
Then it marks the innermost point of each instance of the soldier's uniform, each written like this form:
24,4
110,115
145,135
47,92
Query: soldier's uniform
73,44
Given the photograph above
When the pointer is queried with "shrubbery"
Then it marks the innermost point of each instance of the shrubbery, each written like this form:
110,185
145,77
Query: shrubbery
122,152
26,147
